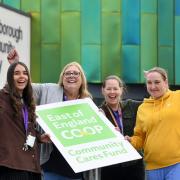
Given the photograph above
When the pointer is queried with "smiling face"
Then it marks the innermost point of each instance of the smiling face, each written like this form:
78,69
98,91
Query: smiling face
20,77
156,84
72,79
112,92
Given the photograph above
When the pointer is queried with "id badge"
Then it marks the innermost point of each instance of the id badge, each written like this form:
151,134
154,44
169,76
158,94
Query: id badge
30,140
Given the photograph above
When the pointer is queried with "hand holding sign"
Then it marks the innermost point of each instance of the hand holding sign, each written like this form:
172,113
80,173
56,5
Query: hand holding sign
45,138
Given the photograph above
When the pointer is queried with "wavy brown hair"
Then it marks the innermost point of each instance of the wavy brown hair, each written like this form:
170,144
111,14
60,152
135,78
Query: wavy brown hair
27,94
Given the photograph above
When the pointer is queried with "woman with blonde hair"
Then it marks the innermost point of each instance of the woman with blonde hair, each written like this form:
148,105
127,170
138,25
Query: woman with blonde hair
72,85
83,90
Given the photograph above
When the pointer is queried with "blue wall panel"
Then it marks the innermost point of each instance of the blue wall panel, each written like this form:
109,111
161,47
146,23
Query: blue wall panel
131,22
177,7
131,65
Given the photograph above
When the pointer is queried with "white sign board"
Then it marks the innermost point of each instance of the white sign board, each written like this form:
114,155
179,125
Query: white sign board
83,135
14,32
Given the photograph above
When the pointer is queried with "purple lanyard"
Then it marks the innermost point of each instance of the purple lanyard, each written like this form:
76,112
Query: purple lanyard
25,117
118,118
64,97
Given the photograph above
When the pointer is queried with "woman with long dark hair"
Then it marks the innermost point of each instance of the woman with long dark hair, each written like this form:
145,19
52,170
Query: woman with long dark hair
19,152
72,85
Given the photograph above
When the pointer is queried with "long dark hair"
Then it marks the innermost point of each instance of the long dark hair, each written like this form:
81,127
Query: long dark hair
27,94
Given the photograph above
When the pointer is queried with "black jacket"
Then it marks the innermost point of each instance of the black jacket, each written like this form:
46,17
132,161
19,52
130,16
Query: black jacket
131,169
129,109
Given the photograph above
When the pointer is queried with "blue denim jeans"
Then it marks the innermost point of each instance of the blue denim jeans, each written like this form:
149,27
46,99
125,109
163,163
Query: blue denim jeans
54,176
166,173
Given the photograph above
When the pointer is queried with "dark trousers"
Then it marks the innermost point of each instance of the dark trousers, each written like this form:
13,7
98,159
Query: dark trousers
124,171
13,174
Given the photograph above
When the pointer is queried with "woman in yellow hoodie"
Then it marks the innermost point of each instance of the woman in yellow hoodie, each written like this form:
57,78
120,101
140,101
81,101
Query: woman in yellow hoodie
157,129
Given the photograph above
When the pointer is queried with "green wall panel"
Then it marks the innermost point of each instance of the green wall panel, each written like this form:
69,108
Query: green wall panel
91,63
30,5
111,38
12,3
148,42
71,37
91,39
105,36
35,47
166,37
149,6
165,60
165,22
131,64
50,12
90,22
71,5
111,44
177,50
50,56
111,5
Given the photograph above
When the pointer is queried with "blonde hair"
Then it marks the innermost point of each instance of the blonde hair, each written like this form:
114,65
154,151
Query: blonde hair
83,91
159,70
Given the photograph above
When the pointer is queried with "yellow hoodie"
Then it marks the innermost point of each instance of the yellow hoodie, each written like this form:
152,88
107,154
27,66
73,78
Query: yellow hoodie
157,130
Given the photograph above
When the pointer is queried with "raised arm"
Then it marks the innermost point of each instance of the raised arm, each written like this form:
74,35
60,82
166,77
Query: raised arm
13,56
